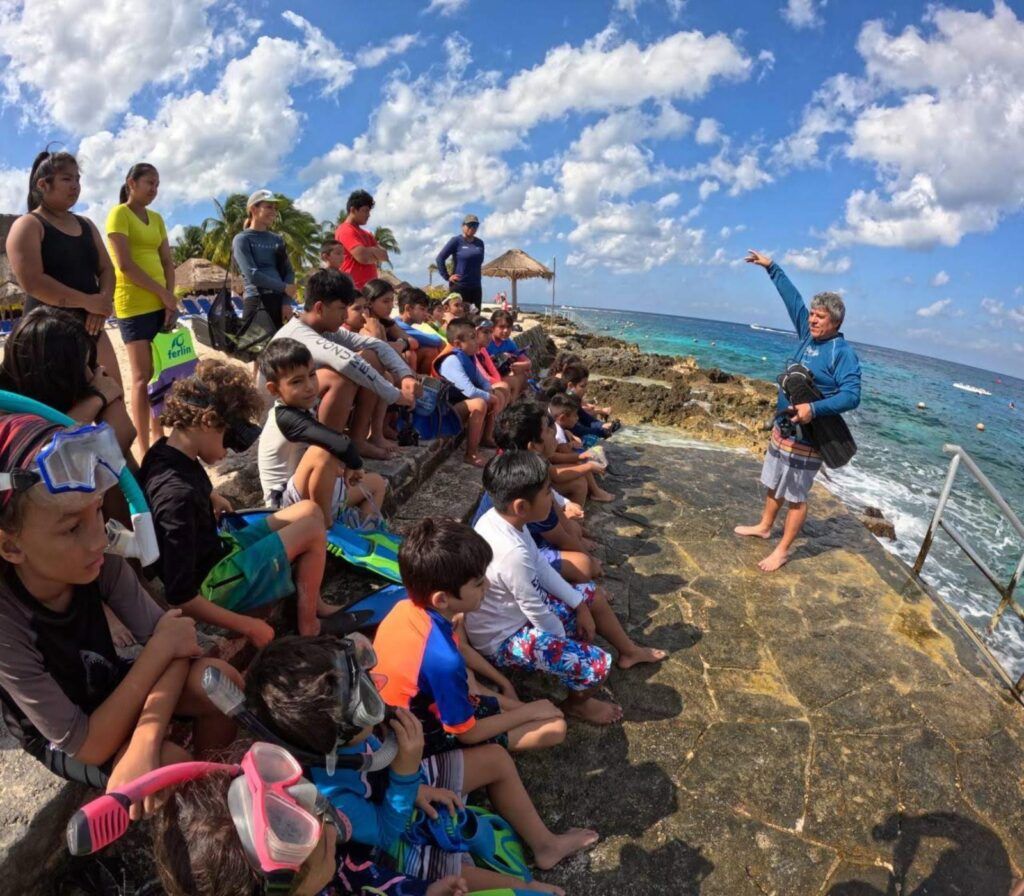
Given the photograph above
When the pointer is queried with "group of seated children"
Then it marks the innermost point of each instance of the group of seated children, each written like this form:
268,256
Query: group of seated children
516,592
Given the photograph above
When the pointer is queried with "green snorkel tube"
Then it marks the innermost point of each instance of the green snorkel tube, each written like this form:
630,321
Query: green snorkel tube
140,541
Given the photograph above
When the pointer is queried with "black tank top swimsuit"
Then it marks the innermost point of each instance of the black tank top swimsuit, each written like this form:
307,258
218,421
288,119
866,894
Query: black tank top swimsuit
71,260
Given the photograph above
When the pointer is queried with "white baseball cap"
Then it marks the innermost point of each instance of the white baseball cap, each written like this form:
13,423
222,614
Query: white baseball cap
260,196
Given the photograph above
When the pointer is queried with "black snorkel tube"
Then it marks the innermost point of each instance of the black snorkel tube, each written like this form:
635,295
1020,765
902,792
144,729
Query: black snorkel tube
229,699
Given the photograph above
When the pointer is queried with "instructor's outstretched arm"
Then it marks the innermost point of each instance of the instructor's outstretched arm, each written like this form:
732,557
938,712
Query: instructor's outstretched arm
790,294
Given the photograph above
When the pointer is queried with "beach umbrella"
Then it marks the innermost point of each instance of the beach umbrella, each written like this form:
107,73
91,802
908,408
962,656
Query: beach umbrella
516,265
199,275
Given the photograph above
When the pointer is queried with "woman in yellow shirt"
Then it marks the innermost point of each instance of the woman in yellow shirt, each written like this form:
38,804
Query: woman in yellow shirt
144,299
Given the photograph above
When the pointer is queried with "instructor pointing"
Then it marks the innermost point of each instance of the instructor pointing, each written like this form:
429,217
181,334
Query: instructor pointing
793,460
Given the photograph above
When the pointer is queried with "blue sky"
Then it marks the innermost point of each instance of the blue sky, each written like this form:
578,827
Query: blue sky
873,148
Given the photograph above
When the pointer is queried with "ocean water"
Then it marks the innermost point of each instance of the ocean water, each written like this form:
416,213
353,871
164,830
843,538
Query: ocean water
900,465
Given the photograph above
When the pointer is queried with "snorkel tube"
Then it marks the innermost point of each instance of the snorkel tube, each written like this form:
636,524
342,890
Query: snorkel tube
228,698
140,541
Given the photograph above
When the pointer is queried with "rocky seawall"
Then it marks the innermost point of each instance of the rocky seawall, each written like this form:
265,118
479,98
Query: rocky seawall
667,390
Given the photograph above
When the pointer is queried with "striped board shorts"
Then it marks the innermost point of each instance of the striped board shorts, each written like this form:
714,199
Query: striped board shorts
789,468
431,862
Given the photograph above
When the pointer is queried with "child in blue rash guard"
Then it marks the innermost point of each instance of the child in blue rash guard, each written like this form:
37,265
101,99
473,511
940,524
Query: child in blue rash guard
414,312
561,541
501,343
297,687
197,852
531,618
423,659
576,378
470,393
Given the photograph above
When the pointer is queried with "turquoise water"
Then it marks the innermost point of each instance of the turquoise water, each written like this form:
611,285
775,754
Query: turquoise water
900,466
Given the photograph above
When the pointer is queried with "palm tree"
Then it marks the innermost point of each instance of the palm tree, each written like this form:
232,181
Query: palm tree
386,240
300,231
189,244
431,270
222,229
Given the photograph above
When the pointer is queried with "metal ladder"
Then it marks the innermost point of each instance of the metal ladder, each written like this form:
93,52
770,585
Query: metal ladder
959,455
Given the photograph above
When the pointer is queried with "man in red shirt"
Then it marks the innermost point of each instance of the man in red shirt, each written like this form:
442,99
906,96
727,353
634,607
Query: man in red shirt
362,254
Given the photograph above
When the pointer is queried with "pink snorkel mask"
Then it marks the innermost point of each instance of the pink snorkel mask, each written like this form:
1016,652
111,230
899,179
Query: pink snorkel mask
278,814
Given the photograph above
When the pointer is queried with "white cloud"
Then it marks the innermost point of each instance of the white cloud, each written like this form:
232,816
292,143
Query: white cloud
803,13
464,123
81,61
13,190
940,279
446,7
230,138
370,57
937,115
816,261
935,308
707,187
324,199
708,131
457,53
630,7
629,238
992,306
669,200
727,232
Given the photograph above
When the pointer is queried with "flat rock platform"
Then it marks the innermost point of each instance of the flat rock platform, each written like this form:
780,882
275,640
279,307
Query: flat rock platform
820,730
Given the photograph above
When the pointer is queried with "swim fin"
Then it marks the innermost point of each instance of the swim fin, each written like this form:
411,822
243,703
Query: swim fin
493,844
376,550
488,838
374,607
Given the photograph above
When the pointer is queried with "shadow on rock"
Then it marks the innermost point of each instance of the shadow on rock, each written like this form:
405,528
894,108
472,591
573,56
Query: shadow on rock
677,868
938,854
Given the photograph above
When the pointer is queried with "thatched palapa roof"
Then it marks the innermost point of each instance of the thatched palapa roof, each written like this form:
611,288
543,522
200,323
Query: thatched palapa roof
199,275
516,265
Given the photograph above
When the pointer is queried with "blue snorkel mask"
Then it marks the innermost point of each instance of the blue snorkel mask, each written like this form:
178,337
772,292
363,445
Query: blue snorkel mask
84,458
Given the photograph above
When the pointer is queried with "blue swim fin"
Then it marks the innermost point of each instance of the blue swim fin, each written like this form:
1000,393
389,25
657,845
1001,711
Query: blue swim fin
374,607
376,550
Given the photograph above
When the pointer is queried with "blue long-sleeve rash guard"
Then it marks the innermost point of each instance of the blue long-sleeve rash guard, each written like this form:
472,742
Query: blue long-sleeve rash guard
833,361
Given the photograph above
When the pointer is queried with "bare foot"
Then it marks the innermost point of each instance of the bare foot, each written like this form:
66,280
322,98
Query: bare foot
371,451
599,494
386,444
561,846
773,561
757,531
475,460
640,655
597,712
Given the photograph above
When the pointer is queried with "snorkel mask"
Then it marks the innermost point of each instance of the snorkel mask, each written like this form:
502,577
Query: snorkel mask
83,458
278,814
357,694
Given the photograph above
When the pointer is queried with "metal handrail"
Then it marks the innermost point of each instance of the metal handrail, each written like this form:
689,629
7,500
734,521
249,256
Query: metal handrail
959,455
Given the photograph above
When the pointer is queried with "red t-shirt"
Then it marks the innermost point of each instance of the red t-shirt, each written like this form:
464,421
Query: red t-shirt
350,236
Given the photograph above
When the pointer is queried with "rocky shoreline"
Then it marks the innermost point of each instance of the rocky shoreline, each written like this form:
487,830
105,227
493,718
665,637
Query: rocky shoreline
708,404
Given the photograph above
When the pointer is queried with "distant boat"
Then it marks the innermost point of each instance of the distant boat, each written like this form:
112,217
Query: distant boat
770,330
977,390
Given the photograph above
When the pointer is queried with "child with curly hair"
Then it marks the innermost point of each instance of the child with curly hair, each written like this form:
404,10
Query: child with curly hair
216,577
